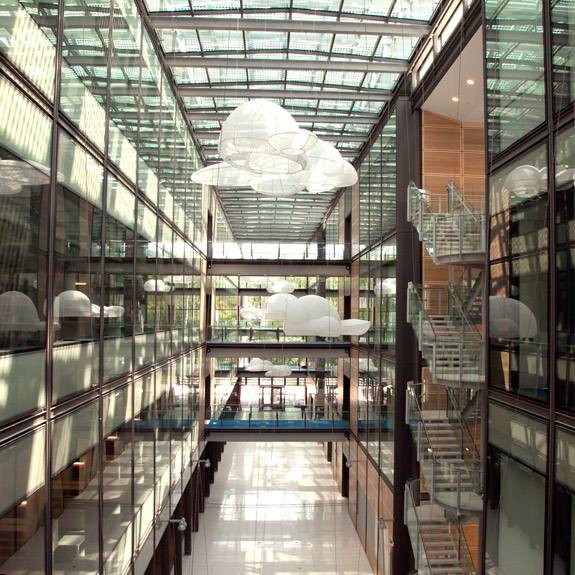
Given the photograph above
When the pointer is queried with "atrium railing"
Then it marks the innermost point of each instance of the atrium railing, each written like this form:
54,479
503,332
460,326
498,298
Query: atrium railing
413,524
297,418
294,251
450,343
446,449
439,545
454,235
256,334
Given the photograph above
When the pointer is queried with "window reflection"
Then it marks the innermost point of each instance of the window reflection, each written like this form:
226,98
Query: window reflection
24,209
77,270
22,504
563,30
515,70
75,517
565,235
519,275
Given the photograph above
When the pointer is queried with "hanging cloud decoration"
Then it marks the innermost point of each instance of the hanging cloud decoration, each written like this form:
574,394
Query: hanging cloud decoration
251,313
281,286
263,147
311,315
511,319
157,286
257,364
278,371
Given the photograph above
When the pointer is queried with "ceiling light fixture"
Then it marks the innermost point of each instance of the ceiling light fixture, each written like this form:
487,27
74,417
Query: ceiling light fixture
455,98
470,81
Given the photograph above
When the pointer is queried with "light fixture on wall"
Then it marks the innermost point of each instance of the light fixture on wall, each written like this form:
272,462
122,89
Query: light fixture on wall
263,147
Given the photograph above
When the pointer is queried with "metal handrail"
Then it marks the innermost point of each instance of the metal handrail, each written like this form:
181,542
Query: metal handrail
467,447
455,197
417,541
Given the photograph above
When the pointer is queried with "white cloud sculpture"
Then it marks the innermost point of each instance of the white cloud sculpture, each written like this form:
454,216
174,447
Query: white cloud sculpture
278,371
511,319
18,313
258,364
281,286
251,313
311,315
263,147
157,286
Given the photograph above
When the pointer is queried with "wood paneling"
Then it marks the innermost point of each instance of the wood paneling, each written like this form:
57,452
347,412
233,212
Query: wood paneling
451,152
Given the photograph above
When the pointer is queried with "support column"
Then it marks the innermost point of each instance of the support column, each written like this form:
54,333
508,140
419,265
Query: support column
408,268
187,508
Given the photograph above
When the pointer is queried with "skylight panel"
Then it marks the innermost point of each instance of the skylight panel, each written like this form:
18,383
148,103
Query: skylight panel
354,45
367,7
222,40
266,40
310,42
179,40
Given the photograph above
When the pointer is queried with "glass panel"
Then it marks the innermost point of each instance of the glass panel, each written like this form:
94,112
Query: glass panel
565,216
23,504
119,510
148,286
519,276
515,70
24,209
118,280
564,508
563,34
77,271
75,517
26,45
515,531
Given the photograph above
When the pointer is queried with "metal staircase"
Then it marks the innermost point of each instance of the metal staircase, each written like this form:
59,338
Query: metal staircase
446,448
439,548
454,236
444,412
448,341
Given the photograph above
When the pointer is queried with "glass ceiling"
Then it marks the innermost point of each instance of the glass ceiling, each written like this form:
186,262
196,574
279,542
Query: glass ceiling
331,63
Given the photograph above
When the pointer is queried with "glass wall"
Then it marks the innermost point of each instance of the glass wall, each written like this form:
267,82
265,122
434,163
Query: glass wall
519,276
100,235
377,182
515,474
515,79
565,262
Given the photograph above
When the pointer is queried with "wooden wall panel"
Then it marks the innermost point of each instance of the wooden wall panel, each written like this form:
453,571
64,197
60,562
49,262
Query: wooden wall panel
451,151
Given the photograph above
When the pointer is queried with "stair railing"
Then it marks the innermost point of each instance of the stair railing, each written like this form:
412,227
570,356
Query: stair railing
413,524
452,483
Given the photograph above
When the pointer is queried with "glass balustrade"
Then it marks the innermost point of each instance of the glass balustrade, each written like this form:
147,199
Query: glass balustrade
452,230
450,343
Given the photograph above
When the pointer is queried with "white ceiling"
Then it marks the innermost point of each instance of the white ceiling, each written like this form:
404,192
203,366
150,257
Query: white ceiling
469,65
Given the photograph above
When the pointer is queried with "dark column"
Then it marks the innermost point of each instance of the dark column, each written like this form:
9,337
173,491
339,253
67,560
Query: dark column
177,550
408,268
188,513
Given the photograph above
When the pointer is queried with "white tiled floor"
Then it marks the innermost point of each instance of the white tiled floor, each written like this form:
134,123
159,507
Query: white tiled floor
275,509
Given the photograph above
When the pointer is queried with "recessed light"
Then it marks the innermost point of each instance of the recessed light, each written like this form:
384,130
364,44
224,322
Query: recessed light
79,463
455,99
470,81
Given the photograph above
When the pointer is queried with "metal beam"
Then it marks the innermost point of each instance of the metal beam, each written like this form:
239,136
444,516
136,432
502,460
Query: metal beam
277,349
215,134
342,95
266,434
193,61
189,22
313,117
272,268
